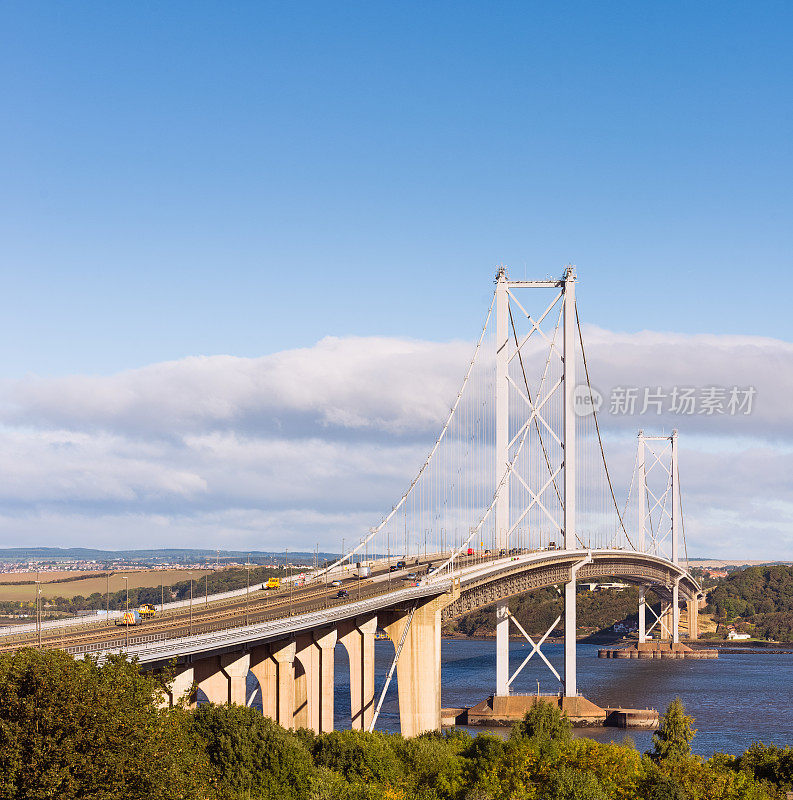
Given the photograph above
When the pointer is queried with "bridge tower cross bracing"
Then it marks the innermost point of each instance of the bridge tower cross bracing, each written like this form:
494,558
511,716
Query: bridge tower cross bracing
655,448
502,509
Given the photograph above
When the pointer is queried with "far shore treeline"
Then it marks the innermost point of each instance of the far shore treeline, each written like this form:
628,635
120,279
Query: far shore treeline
75,729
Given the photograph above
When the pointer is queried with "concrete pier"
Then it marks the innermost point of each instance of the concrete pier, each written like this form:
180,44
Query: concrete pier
419,666
657,649
507,710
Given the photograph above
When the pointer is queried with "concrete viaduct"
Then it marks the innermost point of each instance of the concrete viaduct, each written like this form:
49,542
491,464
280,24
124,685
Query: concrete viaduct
293,658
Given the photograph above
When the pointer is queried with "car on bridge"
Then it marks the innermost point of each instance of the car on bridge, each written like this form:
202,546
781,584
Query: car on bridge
335,583
342,593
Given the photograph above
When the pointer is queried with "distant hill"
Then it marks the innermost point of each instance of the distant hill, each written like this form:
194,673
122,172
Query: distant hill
164,554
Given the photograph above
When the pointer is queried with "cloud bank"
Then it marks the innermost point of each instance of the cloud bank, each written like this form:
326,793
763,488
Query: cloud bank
311,445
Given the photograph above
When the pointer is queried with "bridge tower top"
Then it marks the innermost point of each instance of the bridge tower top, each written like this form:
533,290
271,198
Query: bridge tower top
504,395
658,497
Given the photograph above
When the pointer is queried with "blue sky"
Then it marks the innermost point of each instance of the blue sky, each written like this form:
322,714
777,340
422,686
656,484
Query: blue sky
183,178
192,178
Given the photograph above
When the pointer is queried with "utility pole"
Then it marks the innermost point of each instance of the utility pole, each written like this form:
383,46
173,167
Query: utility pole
107,618
206,589
190,631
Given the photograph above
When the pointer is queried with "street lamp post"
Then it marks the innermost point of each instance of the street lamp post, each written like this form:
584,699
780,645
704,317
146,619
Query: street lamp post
126,617
191,607
248,589
38,611
291,586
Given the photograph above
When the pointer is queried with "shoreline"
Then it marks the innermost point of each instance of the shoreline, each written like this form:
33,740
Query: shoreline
726,647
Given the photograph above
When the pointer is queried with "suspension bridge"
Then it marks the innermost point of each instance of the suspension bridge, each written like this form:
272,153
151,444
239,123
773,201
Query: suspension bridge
514,495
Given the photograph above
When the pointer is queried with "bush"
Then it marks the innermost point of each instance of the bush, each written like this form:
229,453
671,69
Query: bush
251,755
72,728
768,763
544,721
360,756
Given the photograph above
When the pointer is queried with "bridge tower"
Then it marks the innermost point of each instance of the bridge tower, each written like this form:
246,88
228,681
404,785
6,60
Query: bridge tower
502,509
659,522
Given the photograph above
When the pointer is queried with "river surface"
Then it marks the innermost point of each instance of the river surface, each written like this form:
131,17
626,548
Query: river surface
735,699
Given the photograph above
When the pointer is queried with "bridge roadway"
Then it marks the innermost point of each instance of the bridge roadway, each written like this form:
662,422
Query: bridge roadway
289,640
217,615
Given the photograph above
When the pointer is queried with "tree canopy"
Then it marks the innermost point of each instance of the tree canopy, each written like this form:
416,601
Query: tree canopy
70,728
79,729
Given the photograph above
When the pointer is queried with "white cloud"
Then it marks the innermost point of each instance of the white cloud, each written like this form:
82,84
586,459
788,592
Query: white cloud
308,445
375,384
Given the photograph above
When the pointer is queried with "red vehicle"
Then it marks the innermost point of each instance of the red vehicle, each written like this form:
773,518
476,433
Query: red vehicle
470,551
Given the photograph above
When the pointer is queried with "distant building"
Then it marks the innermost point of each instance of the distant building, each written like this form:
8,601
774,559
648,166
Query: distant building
733,635
599,587
714,573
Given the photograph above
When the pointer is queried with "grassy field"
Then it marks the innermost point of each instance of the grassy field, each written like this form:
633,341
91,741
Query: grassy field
90,584
23,577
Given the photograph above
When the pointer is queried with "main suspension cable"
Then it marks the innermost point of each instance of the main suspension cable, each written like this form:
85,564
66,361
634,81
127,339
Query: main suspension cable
597,429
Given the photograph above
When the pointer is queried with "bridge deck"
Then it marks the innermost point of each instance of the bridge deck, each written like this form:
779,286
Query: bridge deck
263,615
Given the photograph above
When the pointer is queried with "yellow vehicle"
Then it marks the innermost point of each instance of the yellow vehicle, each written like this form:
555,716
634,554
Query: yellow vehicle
146,611
129,618
273,583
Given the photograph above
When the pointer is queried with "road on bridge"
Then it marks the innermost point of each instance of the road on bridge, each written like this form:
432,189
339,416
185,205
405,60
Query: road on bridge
259,606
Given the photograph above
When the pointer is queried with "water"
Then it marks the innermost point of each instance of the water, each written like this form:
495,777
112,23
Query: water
735,699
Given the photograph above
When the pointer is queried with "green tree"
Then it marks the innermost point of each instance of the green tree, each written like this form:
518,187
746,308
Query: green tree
252,756
573,784
674,734
76,729
544,721
360,756
768,763
658,785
